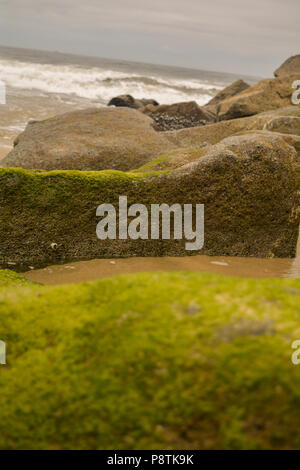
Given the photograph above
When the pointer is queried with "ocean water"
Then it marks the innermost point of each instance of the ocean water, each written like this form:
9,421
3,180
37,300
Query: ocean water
40,84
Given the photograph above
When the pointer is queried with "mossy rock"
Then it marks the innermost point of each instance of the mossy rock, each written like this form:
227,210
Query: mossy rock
284,124
248,185
205,363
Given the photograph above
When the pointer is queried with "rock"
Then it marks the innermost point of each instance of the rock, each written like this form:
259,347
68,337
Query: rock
130,102
92,139
124,139
289,67
265,95
145,102
284,124
231,90
207,356
291,139
179,157
255,174
174,159
247,183
123,101
178,115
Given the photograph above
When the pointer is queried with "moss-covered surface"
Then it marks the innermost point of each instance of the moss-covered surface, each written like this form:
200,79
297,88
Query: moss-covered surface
248,186
203,363
88,139
173,159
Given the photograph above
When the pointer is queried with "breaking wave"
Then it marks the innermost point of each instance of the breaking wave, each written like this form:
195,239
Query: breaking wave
98,84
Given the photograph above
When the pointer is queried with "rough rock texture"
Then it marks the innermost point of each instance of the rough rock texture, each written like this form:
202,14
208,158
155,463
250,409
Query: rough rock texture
289,67
174,159
130,102
247,183
92,139
284,124
178,115
231,90
124,139
214,133
263,96
85,359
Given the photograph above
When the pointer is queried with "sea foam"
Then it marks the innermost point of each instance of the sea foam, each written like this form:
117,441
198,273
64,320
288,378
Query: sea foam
101,85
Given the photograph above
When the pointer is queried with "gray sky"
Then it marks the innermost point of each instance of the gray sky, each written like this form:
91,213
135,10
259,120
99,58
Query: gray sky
250,37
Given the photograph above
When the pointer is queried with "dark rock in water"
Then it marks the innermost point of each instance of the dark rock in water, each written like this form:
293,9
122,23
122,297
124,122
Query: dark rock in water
90,139
265,95
178,115
130,102
231,90
289,67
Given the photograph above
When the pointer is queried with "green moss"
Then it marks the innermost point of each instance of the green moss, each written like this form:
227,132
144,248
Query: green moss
10,278
173,159
250,208
203,363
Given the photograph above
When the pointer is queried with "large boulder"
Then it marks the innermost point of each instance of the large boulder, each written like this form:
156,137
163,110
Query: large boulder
176,158
289,67
130,102
231,90
92,139
247,183
178,115
214,133
265,95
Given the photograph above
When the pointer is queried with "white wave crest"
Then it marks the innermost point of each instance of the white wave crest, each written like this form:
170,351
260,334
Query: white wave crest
101,85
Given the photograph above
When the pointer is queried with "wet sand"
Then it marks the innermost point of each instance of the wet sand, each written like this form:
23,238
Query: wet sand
102,268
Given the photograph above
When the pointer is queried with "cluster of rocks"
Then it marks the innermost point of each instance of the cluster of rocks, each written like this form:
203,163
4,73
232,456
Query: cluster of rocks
178,116
231,90
235,101
243,165
90,139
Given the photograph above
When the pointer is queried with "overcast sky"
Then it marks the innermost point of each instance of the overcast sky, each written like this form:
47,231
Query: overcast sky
249,37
